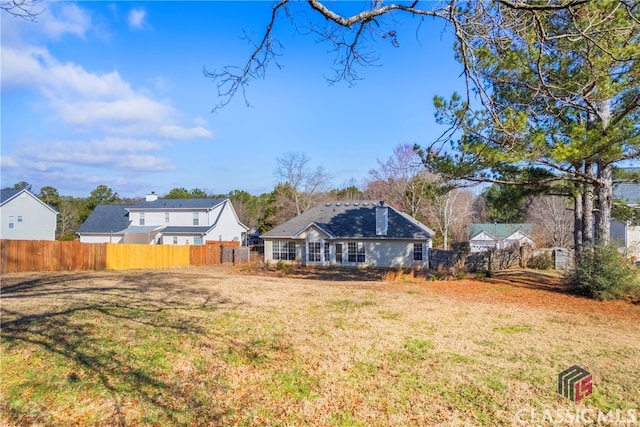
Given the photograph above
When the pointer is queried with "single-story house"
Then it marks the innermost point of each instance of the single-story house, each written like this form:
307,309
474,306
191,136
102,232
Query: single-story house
483,237
356,234
164,221
26,217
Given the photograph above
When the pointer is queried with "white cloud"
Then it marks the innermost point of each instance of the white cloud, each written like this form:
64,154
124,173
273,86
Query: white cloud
137,19
179,132
90,101
65,18
130,155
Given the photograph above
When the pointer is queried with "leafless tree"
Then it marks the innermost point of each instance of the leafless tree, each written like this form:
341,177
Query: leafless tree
299,185
552,220
450,212
401,180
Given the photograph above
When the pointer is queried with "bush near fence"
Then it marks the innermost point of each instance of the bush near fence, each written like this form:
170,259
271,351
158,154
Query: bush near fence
39,255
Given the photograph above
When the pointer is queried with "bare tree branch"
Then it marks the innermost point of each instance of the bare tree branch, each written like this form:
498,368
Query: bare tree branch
26,9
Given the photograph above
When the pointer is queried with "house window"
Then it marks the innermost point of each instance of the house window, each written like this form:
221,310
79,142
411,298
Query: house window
11,221
196,219
197,241
417,252
355,252
166,217
19,218
284,250
327,254
141,218
313,254
175,240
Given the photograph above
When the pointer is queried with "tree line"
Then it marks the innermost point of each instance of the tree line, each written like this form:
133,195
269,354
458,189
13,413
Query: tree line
400,180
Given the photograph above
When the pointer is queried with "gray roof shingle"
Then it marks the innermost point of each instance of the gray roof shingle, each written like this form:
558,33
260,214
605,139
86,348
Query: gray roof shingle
6,194
352,220
179,204
106,219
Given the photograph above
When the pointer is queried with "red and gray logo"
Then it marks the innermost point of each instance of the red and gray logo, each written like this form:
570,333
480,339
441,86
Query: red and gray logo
575,383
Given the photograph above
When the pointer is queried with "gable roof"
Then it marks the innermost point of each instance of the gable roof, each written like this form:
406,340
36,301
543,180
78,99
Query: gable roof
106,219
7,195
178,204
352,220
500,231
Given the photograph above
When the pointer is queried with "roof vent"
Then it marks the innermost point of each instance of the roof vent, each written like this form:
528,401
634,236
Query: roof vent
346,204
365,203
356,204
338,204
327,204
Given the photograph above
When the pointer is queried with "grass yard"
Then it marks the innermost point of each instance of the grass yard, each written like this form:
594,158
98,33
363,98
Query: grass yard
221,346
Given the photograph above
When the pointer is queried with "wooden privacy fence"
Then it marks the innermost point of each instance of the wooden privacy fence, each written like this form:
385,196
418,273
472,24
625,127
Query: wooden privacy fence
39,255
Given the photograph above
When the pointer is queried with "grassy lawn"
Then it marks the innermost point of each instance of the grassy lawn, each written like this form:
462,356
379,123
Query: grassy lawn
214,346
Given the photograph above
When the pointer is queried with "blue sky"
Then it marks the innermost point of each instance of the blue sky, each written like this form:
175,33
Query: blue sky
114,93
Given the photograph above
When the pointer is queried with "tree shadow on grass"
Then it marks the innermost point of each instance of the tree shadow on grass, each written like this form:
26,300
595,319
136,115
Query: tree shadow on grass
532,280
112,336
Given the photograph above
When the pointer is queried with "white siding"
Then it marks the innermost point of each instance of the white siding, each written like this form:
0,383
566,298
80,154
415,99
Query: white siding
101,238
394,254
180,218
167,239
38,222
227,225
384,254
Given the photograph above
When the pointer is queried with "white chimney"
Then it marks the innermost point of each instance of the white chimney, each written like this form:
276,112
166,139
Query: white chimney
382,219
152,196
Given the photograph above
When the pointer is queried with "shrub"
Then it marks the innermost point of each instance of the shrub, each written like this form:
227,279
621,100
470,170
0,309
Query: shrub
282,267
602,272
541,261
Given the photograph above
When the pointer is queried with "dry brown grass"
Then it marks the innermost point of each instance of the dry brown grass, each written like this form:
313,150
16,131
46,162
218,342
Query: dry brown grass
221,346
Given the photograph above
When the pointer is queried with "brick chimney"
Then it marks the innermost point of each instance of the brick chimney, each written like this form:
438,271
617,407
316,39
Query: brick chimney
382,219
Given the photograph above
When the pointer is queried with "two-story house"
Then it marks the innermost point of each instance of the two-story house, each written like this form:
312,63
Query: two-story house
26,217
164,221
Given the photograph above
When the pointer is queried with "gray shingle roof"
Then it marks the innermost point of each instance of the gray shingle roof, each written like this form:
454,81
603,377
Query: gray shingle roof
6,194
179,204
106,219
352,220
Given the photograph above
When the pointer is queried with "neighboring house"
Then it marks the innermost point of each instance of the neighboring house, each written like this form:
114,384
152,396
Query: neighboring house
357,234
26,217
483,237
164,221
624,234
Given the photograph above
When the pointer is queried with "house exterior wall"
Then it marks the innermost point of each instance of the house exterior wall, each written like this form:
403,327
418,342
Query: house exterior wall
182,239
101,238
381,253
32,220
182,218
633,241
228,226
